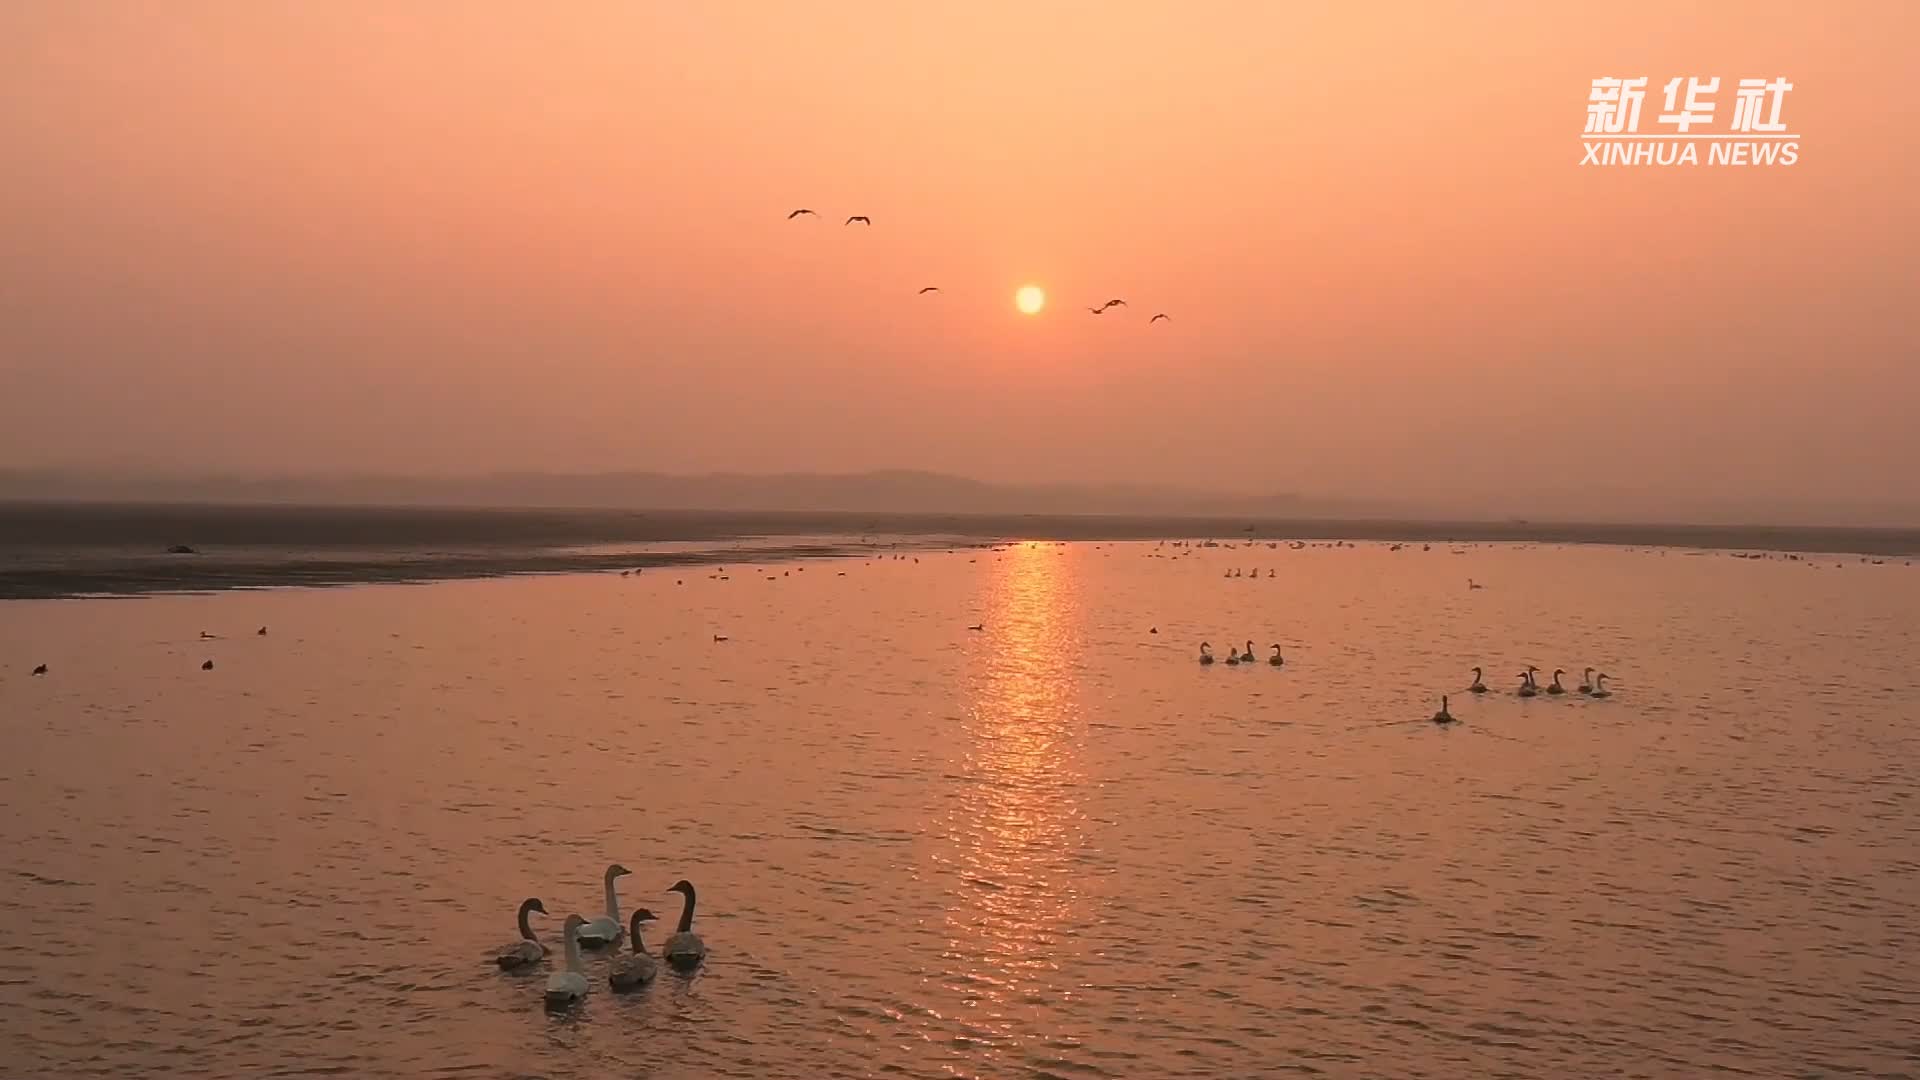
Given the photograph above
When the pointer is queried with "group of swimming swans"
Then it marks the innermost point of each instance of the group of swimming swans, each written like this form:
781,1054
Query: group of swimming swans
1591,684
1233,657
683,950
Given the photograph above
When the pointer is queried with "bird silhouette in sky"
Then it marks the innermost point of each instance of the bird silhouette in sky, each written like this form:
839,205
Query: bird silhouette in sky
1097,310
1157,318
803,210
861,218
928,289
1113,303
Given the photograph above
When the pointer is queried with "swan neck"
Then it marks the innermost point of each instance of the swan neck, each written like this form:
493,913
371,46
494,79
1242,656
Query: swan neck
686,913
525,930
613,902
573,952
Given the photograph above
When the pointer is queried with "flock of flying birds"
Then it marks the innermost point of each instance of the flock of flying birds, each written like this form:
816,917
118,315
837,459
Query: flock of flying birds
863,219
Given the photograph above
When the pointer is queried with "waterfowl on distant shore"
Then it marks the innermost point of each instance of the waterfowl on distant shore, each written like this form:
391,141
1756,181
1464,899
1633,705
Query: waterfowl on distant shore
527,951
207,666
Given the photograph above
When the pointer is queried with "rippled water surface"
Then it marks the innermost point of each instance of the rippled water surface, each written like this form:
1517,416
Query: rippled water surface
1054,846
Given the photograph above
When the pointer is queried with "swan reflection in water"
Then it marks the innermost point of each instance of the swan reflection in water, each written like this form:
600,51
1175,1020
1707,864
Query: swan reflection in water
1016,833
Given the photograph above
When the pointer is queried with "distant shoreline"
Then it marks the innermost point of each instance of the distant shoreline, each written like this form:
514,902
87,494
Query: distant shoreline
50,550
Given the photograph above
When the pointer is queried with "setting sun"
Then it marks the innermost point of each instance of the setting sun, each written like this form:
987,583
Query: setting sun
1030,299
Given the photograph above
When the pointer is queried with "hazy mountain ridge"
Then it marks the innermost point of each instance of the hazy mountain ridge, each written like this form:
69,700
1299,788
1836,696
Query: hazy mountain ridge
893,491
919,492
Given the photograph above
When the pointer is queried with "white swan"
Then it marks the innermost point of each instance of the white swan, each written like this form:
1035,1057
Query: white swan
569,986
1478,687
684,950
606,929
1206,653
1556,688
527,951
1600,686
1443,716
1586,682
635,969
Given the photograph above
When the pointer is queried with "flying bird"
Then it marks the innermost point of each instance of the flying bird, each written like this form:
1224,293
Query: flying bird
1157,318
1113,303
800,211
1097,310
928,289
861,218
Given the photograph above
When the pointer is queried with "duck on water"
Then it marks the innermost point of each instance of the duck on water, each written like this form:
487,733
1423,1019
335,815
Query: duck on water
527,951
606,929
635,969
684,950
569,986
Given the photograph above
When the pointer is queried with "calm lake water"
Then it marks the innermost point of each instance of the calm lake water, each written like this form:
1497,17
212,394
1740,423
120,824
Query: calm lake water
1052,847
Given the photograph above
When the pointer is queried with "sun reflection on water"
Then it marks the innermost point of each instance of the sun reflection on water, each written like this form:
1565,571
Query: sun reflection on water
1017,828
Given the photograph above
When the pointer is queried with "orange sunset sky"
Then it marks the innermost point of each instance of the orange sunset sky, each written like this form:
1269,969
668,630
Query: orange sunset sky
445,237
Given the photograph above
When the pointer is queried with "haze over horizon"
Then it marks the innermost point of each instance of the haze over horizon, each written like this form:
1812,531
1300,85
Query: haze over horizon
903,492
434,242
